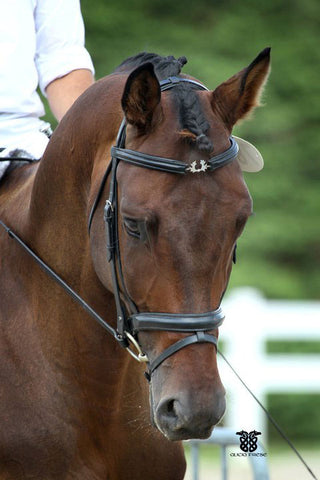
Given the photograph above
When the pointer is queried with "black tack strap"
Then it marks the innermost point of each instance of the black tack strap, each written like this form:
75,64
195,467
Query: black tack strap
60,281
99,195
170,82
19,159
169,165
198,337
176,322
152,162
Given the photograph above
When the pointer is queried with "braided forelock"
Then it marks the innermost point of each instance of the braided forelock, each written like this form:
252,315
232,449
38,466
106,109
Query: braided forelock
191,116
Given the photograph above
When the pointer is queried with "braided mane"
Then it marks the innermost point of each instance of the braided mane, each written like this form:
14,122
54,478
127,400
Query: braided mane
194,125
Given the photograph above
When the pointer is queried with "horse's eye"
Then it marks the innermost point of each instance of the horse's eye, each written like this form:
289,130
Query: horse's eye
132,227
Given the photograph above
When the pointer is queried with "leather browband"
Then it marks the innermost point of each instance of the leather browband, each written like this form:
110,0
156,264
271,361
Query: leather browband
173,166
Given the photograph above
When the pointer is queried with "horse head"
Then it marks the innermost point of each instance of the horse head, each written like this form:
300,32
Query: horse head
176,234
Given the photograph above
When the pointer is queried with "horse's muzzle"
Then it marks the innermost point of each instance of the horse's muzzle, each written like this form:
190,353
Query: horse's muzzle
183,418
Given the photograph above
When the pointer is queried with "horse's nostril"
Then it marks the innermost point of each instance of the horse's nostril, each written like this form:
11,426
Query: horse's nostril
179,419
167,409
170,408
167,415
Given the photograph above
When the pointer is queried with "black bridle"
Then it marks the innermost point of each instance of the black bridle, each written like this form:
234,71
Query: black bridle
130,324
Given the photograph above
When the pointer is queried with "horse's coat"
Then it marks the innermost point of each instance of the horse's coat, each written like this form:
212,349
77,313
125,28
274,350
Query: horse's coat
73,404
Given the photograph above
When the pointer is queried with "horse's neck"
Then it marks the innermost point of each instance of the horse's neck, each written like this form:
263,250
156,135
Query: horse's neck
63,192
69,174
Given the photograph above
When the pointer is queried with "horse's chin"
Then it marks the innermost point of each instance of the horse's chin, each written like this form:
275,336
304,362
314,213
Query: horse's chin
184,434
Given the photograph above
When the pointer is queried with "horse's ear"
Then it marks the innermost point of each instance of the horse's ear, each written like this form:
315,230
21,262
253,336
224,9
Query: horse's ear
141,96
238,96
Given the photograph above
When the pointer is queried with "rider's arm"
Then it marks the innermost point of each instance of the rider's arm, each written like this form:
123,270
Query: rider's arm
62,92
64,65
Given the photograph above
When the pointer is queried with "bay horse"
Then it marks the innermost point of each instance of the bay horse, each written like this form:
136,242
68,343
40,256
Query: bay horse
73,404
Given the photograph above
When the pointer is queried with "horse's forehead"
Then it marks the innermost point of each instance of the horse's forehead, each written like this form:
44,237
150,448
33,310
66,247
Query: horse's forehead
205,202
175,199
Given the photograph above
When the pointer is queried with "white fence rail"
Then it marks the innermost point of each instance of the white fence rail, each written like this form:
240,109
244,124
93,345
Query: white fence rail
250,322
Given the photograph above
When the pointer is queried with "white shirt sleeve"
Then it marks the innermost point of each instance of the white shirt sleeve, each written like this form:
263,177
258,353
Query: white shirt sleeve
59,40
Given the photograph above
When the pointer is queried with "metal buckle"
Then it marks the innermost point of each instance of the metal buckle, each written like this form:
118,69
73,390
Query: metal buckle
108,210
140,356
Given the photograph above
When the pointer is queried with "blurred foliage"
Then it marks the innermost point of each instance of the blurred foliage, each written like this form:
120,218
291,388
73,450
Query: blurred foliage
300,347
300,417
280,250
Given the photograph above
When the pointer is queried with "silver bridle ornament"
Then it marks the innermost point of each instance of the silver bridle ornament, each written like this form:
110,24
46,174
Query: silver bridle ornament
193,167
